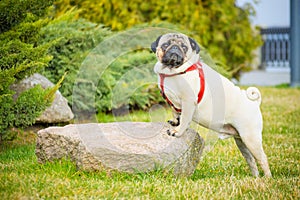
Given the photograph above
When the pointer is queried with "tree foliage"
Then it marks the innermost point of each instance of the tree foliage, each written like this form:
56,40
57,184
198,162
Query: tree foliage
220,26
21,56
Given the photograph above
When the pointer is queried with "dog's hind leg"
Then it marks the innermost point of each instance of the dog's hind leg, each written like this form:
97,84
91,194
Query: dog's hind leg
260,156
253,142
247,155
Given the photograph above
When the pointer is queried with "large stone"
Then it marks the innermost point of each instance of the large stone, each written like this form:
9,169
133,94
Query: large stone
122,146
59,111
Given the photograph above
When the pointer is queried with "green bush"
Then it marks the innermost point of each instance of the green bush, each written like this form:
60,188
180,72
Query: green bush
21,56
134,82
220,26
74,39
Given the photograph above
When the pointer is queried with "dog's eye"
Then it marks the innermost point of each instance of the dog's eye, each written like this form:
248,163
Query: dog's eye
165,45
184,48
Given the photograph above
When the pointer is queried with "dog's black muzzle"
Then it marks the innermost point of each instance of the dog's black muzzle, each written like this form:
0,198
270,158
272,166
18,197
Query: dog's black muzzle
173,57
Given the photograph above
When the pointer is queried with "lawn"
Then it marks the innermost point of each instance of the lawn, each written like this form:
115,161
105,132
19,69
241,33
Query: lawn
221,174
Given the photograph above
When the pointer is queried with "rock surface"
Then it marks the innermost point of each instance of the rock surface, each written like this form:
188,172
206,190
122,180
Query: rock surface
122,146
59,111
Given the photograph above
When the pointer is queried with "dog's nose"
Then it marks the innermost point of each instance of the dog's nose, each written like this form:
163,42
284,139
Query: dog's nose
174,47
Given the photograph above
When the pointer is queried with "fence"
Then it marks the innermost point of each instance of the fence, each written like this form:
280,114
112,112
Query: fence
275,52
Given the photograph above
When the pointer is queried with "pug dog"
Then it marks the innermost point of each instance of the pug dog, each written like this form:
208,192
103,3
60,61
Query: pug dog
198,93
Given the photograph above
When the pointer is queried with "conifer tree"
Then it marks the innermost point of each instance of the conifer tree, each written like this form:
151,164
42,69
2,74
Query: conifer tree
21,56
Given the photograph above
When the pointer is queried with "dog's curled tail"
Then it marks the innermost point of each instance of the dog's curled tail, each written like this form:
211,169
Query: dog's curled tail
253,94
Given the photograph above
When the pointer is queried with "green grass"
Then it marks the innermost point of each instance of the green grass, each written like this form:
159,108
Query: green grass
221,174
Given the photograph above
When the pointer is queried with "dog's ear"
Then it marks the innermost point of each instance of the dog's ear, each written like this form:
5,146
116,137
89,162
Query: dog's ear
155,44
194,45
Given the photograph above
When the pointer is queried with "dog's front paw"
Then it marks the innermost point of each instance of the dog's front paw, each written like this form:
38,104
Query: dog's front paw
173,123
173,133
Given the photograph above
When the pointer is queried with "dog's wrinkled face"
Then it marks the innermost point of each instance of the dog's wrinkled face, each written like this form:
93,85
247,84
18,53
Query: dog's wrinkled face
174,49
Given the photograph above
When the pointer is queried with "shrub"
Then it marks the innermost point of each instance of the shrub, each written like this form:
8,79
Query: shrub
74,39
21,56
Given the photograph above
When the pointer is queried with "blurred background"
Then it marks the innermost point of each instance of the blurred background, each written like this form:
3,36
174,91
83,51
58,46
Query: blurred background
273,18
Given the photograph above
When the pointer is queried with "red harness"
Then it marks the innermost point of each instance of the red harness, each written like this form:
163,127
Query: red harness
196,66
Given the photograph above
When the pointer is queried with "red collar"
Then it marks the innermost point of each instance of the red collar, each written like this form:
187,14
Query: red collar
195,66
